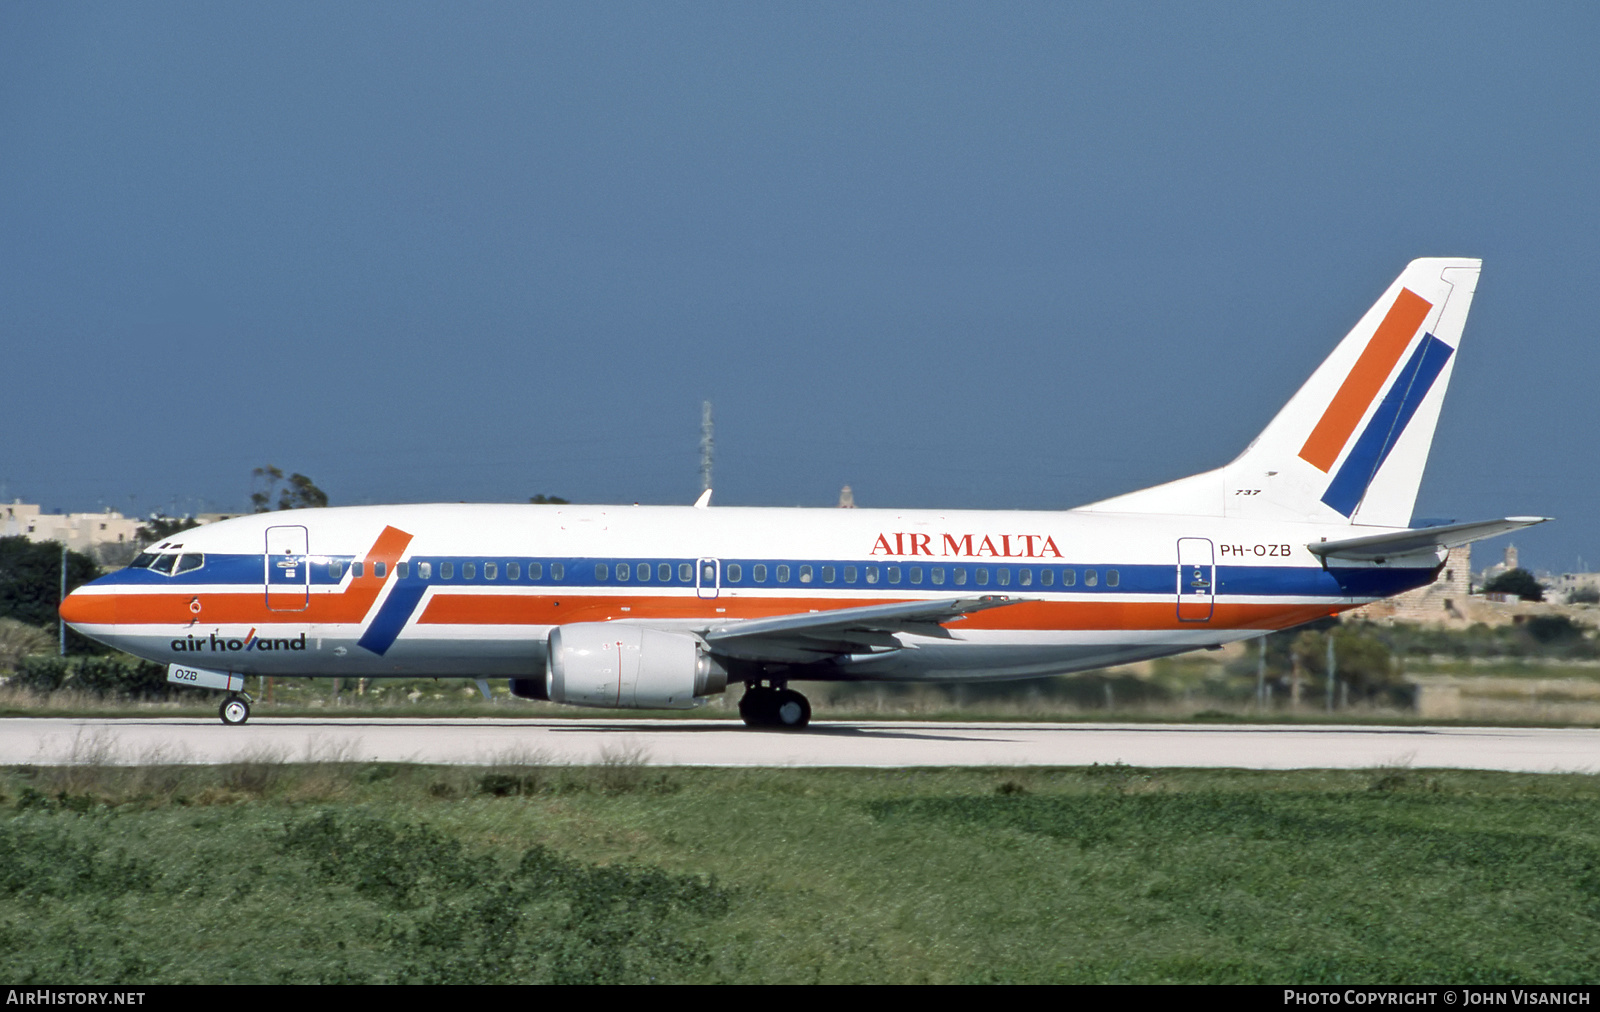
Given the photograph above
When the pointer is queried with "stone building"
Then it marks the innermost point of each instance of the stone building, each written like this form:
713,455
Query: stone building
81,532
1440,601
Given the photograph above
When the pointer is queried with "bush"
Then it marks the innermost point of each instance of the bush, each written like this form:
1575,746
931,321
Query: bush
113,677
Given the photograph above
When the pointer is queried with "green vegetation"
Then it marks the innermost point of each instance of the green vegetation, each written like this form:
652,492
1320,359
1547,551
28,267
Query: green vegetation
336,872
1516,581
30,586
293,493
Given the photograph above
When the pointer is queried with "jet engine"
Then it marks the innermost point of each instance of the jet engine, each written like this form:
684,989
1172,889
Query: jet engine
630,666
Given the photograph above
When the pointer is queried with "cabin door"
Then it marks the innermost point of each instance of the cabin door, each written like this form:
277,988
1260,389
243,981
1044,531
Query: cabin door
1197,579
288,576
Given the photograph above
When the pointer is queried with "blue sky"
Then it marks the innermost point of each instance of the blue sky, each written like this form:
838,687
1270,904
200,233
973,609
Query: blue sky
963,255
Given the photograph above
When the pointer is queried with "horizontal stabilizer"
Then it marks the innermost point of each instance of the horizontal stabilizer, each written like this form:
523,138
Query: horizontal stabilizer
813,635
1377,547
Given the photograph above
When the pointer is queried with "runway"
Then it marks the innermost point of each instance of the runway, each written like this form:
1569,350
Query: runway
472,741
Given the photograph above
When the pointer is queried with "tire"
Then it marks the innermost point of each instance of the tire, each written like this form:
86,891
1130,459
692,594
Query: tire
790,710
234,710
757,707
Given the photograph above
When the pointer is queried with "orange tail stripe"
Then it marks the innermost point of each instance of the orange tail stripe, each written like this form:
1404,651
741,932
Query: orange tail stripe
1377,361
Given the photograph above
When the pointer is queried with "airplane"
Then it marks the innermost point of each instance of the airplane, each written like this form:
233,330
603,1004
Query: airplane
664,607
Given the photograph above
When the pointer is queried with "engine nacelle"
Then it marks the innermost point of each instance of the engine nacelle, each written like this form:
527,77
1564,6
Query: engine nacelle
619,665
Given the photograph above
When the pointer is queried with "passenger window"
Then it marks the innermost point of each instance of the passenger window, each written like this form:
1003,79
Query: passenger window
783,574
1113,578
1047,577
1003,576
164,564
356,570
490,570
447,570
759,571
469,570
961,575
558,571
1025,577
190,561
424,570
983,576
872,574
937,572
894,574
513,570
849,574
827,574
336,570
602,571
685,572
805,574
379,569
536,570
1090,577
624,571
916,574
734,572
644,572
402,570
664,572
1069,577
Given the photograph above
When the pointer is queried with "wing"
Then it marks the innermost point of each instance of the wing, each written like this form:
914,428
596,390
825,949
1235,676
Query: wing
1377,547
814,636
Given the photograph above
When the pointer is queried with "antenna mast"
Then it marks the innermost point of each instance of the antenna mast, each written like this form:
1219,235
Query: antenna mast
706,445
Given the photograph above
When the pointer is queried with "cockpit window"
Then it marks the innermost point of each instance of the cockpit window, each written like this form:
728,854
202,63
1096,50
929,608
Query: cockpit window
143,560
188,562
163,564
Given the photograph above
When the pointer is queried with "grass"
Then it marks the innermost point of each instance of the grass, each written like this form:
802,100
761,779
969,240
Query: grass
523,871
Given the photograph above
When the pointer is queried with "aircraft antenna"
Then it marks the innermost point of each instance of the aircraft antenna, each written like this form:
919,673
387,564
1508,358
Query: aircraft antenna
706,445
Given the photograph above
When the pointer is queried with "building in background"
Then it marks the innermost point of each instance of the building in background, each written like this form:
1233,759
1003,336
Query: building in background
1439,602
82,532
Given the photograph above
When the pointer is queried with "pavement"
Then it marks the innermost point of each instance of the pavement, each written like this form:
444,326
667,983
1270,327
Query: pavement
688,742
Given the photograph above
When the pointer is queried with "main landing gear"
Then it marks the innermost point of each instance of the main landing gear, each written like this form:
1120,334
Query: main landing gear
235,709
774,706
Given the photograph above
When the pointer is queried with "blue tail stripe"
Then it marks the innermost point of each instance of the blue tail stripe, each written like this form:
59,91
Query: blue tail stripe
1388,423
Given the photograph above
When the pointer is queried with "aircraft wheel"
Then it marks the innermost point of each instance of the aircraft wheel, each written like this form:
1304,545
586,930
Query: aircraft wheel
234,710
758,705
791,710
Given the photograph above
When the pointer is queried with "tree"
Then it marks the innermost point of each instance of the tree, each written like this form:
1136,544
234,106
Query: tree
1516,581
1586,594
1362,661
548,500
298,493
30,585
160,528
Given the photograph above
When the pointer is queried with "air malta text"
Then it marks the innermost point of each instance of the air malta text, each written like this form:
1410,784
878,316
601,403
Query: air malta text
223,644
970,546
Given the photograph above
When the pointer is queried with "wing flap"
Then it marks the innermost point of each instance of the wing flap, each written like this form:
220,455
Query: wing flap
815,635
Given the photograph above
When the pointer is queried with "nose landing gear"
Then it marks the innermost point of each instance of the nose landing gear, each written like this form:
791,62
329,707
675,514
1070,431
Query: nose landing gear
773,706
235,709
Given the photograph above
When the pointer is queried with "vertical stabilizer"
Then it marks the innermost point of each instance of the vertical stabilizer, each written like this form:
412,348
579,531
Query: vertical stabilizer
1352,443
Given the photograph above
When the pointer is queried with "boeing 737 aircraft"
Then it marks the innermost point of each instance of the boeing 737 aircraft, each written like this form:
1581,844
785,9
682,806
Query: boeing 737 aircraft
653,607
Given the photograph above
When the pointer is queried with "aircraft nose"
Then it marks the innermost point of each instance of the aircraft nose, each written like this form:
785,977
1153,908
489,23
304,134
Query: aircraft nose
80,608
